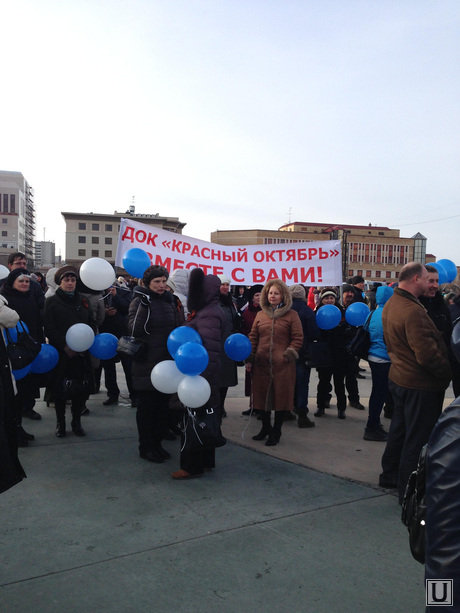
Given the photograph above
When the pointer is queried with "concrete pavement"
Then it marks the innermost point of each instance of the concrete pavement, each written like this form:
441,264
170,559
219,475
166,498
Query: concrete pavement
297,527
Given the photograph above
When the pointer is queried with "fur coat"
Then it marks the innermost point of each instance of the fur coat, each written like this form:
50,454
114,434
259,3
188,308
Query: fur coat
276,338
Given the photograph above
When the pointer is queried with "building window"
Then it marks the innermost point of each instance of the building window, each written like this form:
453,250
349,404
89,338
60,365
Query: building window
108,254
82,226
13,203
4,232
378,274
350,272
5,203
95,240
108,227
108,240
359,273
82,239
381,233
95,253
4,220
368,273
95,226
82,252
388,274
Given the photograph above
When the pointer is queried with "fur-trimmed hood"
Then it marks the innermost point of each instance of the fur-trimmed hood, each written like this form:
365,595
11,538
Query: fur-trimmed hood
286,303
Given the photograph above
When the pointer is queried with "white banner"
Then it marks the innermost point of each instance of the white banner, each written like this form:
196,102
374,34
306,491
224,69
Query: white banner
311,263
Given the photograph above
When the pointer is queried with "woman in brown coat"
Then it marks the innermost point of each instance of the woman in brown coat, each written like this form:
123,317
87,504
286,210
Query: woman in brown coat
276,338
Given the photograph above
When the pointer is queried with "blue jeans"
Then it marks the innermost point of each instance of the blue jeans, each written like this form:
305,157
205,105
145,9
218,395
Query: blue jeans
379,392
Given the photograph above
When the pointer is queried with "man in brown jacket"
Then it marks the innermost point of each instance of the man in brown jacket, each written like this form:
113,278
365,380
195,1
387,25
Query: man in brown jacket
419,375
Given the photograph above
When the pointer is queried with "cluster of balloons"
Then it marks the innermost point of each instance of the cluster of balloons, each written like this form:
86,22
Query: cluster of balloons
45,361
80,337
329,316
182,374
447,270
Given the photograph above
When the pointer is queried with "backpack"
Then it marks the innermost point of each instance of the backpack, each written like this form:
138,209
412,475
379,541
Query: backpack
414,508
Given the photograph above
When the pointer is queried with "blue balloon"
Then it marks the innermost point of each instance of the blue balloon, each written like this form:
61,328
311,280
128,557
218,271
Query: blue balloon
21,373
450,269
357,313
441,272
136,261
14,331
328,317
46,360
181,335
104,346
238,347
191,359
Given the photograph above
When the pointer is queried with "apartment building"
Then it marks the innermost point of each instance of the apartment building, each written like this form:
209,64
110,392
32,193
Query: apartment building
91,235
17,216
375,252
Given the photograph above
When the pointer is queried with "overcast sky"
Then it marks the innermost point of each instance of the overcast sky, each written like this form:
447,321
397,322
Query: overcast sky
237,114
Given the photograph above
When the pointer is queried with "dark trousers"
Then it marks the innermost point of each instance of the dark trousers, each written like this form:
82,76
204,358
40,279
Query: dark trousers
110,376
379,392
151,417
324,387
415,414
302,384
195,461
351,380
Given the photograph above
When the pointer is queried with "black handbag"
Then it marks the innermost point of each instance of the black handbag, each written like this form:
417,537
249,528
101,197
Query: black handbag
72,388
132,347
201,430
413,511
361,343
24,350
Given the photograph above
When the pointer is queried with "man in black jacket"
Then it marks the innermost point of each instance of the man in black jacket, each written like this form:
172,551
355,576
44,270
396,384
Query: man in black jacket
440,315
116,301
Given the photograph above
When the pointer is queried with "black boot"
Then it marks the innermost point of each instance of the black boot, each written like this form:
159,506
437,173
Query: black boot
266,427
304,421
275,434
60,417
76,422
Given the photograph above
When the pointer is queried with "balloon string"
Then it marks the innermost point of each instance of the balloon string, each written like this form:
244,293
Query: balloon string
249,421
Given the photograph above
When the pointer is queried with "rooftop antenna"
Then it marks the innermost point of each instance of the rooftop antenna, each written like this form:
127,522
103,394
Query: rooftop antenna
290,211
44,234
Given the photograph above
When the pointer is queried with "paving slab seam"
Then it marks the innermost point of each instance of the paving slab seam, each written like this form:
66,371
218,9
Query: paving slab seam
316,470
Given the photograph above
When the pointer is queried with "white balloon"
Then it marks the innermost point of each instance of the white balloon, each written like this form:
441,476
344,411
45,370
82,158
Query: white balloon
79,337
166,377
194,391
97,274
4,271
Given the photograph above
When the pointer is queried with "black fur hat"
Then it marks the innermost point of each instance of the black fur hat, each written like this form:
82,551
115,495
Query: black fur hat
195,298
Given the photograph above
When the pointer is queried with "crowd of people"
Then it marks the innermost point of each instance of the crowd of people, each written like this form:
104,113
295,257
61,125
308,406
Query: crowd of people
411,363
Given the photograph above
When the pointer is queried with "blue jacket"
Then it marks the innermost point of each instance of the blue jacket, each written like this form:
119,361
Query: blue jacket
378,348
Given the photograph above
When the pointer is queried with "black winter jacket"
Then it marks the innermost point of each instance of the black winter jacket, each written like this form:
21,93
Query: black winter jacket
151,318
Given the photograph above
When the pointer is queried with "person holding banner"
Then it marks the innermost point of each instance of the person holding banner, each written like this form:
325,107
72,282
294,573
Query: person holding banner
276,338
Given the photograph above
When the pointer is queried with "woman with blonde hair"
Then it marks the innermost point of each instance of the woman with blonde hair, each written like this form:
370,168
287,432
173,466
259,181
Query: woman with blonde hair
276,338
